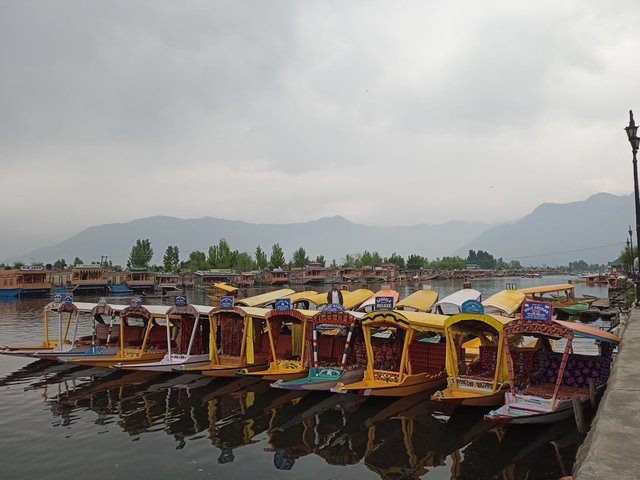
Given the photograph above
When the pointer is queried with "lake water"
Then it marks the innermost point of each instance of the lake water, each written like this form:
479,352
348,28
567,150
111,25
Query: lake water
60,421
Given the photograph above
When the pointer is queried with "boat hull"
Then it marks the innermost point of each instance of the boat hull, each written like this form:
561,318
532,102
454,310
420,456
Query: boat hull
168,363
412,384
535,418
319,383
10,292
109,362
470,398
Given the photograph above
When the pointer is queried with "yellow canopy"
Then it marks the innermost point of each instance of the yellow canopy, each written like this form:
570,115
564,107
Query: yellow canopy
561,287
306,295
507,301
421,321
355,298
421,300
455,324
226,287
265,298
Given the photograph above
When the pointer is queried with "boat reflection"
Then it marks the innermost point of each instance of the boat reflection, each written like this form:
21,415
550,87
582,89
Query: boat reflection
403,438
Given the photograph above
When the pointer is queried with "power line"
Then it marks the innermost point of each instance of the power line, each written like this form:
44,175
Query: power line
567,251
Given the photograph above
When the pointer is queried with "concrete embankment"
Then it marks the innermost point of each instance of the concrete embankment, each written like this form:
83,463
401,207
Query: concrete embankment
612,447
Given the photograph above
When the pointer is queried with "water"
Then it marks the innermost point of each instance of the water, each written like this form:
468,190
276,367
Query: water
60,421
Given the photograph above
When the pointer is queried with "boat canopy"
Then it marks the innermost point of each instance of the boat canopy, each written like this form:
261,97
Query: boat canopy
355,298
456,299
587,331
265,298
421,321
225,287
507,301
421,300
301,315
307,295
541,289
371,301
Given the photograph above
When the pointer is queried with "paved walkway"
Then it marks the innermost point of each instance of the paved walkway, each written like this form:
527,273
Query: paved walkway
612,447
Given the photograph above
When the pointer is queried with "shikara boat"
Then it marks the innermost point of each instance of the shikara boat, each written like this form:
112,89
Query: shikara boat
287,334
351,300
142,338
67,314
560,295
330,352
187,339
451,304
505,303
418,301
574,310
403,352
238,341
220,289
483,381
545,383
369,305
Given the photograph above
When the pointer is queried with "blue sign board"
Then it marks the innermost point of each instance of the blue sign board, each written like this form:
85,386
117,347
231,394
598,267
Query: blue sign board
136,302
283,304
472,306
180,301
68,299
57,298
537,310
226,301
383,303
333,307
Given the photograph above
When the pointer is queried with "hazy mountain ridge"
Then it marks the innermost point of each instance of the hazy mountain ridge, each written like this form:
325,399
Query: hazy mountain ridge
332,237
594,230
568,231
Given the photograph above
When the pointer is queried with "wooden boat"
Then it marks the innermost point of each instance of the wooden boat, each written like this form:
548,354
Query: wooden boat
287,334
329,353
506,302
403,353
560,295
89,279
142,337
483,381
351,300
451,304
544,383
220,289
590,314
238,341
25,280
49,345
140,279
418,301
264,299
187,340
369,304
573,310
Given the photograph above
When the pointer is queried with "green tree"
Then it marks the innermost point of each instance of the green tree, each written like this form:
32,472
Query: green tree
416,262
60,264
220,256
197,260
334,264
171,258
449,263
18,264
300,259
396,260
77,261
320,259
276,260
261,258
141,254
244,262
366,260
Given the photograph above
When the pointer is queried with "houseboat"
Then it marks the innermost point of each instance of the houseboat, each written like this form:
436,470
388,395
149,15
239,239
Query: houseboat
87,279
313,274
35,280
273,278
140,280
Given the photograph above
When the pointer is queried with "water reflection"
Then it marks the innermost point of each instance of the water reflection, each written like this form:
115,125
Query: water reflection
395,438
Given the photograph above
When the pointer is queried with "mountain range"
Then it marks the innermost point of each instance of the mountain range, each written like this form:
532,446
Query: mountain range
593,230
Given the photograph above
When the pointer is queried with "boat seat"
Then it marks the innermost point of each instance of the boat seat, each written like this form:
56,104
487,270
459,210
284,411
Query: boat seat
578,370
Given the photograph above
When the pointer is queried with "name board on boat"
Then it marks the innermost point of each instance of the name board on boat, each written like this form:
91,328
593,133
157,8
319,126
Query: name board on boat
57,298
283,304
472,306
180,301
226,301
27,268
333,307
136,302
383,303
68,299
537,310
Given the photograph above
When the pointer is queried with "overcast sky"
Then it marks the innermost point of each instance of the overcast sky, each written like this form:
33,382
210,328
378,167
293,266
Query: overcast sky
388,113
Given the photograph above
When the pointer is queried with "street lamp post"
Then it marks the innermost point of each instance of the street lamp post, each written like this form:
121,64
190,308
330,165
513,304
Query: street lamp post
631,250
630,259
632,130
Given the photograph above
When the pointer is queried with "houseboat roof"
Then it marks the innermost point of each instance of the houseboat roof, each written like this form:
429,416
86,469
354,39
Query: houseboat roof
507,301
459,297
547,288
421,300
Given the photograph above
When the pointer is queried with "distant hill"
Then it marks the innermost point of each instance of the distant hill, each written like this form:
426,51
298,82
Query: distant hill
332,237
556,234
